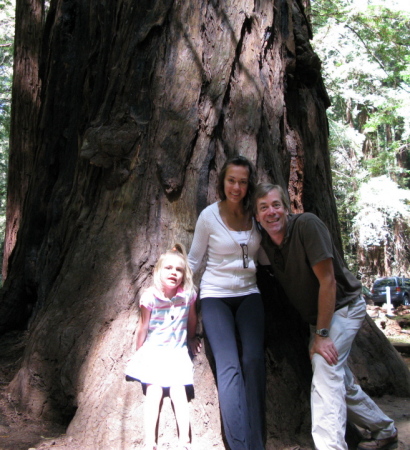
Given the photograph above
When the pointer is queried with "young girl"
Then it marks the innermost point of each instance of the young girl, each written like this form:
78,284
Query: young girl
166,328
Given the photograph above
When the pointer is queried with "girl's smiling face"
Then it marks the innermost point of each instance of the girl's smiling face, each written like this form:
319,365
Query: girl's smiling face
172,274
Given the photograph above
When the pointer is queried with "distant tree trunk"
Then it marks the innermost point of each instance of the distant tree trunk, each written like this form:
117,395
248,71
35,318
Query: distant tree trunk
141,103
26,103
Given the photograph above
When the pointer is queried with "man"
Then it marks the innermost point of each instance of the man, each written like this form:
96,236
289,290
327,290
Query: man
313,275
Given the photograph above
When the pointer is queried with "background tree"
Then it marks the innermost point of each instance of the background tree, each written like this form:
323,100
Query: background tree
364,47
6,71
124,113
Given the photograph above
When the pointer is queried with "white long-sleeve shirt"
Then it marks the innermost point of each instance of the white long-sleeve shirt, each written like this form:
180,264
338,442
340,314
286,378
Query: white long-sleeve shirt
224,274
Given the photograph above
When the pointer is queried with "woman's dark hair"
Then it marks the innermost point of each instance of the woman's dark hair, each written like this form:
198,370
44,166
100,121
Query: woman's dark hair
244,162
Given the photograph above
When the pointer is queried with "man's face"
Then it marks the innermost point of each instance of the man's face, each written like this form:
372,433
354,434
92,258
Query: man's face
272,215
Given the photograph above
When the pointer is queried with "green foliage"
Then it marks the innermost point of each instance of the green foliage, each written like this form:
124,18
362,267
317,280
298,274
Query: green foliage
373,30
385,36
6,58
365,51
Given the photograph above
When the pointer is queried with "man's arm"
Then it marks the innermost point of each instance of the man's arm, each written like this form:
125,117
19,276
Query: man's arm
326,306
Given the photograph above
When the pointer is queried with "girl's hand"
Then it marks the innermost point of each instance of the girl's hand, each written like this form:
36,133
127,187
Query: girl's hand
194,345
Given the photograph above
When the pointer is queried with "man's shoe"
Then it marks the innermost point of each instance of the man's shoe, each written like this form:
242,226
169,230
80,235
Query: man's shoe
379,444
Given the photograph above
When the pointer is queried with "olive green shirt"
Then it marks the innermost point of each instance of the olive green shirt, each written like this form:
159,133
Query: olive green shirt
308,242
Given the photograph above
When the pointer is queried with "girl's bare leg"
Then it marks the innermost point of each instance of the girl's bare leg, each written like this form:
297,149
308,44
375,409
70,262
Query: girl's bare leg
151,410
180,401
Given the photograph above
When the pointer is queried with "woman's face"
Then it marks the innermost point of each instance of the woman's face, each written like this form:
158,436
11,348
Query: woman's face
236,183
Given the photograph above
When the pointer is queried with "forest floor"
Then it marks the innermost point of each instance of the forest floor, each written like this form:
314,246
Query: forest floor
18,431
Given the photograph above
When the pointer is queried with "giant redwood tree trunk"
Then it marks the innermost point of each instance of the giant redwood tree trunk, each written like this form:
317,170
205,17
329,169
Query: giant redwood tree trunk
141,103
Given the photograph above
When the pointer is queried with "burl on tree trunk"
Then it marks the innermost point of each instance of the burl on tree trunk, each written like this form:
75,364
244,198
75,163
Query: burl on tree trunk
140,105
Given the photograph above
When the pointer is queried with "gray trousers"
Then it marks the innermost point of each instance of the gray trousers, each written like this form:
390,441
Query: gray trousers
335,396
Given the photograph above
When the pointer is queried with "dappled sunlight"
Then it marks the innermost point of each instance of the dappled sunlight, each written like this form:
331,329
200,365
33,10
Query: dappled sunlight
380,202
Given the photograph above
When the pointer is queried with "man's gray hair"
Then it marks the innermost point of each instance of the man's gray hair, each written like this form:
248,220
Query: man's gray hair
263,189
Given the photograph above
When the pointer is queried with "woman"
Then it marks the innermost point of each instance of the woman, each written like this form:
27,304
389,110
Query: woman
231,303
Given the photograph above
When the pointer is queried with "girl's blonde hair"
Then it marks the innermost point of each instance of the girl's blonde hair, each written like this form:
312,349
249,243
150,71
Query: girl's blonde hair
176,250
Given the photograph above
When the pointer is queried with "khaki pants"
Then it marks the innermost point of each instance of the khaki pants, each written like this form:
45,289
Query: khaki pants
335,397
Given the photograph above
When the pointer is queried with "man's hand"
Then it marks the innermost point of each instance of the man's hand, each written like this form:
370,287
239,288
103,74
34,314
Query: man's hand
194,345
324,346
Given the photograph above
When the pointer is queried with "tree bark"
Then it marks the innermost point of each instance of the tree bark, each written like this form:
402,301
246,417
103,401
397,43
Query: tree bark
141,103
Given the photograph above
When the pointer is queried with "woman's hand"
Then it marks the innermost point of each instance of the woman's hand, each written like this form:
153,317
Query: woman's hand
194,345
143,324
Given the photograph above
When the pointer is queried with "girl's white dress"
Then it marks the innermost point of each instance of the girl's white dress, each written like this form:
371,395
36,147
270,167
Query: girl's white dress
163,359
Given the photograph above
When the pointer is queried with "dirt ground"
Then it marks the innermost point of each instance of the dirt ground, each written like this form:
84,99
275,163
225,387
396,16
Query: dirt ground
399,410
19,432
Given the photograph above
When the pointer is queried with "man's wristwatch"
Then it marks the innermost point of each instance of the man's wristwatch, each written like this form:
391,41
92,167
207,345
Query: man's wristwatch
323,332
